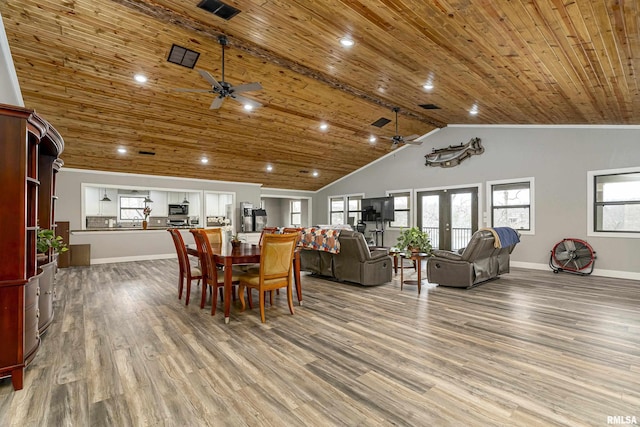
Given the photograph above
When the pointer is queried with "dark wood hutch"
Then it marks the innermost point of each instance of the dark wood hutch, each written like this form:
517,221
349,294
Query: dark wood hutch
29,151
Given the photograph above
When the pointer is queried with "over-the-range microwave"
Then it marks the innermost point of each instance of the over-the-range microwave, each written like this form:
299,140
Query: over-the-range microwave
178,210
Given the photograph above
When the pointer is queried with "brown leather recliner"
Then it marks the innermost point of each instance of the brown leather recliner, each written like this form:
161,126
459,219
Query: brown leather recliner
479,261
354,263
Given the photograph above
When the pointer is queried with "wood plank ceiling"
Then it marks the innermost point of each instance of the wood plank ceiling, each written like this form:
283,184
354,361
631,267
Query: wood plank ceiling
520,62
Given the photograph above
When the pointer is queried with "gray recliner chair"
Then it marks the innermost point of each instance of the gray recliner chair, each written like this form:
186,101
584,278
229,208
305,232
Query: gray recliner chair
357,263
354,263
479,261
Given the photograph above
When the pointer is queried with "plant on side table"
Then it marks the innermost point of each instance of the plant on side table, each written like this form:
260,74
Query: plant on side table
414,240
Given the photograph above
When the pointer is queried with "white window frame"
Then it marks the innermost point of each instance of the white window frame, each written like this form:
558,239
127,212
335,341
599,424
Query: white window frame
293,212
591,179
532,199
345,211
411,194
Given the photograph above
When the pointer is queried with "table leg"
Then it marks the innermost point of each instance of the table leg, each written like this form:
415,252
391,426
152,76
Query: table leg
401,273
228,286
395,263
296,276
419,264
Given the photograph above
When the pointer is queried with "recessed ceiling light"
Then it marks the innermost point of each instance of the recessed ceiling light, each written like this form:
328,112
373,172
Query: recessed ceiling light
248,107
428,85
315,173
140,78
324,126
372,139
122,150
474,110
269,168
204,160
347,42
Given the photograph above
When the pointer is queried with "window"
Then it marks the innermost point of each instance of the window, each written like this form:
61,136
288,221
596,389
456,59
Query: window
401,209
511,204
336,213
617,202
296,213
355,210
131,208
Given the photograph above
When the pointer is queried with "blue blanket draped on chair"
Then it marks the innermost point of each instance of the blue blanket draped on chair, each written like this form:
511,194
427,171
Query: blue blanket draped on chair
507,235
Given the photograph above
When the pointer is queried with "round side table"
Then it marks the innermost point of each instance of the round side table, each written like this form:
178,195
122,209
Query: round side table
417,258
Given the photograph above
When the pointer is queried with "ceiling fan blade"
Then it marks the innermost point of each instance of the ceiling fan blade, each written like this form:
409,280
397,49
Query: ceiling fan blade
412,140
217,103
192,90
208,77
246,101
248,87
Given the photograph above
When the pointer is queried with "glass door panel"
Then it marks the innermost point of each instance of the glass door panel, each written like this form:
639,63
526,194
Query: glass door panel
449,216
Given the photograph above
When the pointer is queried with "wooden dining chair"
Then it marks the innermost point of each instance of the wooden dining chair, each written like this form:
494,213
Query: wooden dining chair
267,230
214,235
212,274
187,272
276,264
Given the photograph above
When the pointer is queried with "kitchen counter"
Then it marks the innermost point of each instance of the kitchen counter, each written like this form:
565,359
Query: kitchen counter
127,229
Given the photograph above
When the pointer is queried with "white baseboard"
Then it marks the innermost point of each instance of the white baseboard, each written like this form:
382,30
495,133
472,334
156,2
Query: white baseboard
132,258
596,271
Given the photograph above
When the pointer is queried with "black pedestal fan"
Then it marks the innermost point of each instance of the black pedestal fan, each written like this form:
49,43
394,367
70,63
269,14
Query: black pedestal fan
573,256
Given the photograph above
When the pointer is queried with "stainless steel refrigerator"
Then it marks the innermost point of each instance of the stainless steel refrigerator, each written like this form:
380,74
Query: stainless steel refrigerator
259,219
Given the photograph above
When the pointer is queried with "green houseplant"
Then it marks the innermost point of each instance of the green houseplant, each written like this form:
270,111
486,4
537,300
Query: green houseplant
414,240
47,239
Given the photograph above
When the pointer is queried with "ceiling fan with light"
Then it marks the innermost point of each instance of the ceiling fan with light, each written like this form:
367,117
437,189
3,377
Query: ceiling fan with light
224,89
397,139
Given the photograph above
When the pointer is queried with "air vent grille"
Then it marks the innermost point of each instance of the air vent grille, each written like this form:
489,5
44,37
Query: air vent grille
147,153
380,122
183,56
429,106
219,8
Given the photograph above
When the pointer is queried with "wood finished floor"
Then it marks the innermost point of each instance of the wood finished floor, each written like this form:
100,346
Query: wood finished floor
532,348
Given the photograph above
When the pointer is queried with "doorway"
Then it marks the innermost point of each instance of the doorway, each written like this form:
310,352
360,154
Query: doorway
450,216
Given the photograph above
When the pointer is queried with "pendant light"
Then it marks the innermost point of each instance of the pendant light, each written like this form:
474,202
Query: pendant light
185,201
105,198
147,199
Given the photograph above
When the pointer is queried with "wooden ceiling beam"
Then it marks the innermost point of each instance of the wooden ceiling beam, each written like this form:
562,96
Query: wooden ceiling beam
161,13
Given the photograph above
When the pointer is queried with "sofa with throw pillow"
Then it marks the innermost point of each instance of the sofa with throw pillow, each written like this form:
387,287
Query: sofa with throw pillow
344,255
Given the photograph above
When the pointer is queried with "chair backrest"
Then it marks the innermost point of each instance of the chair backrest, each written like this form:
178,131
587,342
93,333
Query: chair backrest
267,230
353,246
481,245
181,249
293,230
214,235
205,254
276,255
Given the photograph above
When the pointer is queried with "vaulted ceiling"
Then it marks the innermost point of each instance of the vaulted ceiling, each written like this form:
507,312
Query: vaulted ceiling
518,62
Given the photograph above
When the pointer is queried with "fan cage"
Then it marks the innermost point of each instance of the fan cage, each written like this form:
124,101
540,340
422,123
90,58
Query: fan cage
573,256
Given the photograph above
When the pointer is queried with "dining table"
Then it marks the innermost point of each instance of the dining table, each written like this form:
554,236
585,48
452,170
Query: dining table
227,256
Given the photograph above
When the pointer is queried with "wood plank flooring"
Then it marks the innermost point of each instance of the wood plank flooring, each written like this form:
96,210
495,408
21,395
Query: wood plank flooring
532,348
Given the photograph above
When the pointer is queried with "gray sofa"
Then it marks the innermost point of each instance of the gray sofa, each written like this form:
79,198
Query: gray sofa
354,263
480,261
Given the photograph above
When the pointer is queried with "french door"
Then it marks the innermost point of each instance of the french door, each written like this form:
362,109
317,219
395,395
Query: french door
450,216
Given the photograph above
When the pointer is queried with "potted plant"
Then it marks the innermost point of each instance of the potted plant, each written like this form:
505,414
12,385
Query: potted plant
235,241
46,240
146,211
414,240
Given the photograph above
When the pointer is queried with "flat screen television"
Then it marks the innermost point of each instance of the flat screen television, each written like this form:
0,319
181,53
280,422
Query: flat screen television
377,209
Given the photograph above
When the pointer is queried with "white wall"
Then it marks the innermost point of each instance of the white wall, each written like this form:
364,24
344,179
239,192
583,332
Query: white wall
557,157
